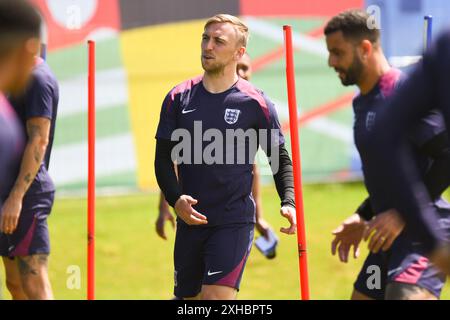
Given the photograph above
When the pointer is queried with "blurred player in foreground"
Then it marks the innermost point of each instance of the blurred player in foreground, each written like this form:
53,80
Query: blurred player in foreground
244,70
11,136
24,241
405,272
212,196
427,87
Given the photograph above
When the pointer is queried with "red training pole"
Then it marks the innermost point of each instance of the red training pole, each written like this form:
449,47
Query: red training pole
91,174
296,162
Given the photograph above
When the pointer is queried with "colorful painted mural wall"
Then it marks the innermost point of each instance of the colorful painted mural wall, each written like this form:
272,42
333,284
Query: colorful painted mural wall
145,47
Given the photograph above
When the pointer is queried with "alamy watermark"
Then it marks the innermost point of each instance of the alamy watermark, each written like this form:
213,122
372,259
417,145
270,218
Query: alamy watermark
232,146
374,20
73,281
73,17
373,281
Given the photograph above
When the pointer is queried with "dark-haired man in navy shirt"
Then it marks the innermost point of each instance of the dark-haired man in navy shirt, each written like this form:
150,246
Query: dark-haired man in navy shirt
397,267
211,126
427,86
11,145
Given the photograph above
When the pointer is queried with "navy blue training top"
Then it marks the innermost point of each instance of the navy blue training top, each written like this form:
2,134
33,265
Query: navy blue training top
222,187
365,108
40,100
426,88
11,147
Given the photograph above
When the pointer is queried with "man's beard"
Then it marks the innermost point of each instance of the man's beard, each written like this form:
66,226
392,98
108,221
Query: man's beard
213,69
353,73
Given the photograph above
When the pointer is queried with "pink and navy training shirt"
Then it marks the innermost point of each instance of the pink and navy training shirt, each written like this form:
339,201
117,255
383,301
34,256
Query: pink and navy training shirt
223,189
11,147
425,89
366,109
39,100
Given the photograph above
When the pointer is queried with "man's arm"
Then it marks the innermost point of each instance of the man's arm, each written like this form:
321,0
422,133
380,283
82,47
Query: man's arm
38,131
165,171
437,178
168,183
279,160
262,225
284,182
365,210
283,177
163,216
427,86
350,232
347,235
389,224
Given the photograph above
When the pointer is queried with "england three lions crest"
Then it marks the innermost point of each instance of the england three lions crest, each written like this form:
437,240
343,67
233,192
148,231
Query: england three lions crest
370,120
232,115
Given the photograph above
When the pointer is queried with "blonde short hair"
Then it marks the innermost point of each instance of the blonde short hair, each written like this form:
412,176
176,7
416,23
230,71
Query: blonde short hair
240,27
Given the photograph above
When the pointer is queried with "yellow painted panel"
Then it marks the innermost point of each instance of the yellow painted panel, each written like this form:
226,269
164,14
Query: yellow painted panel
156,59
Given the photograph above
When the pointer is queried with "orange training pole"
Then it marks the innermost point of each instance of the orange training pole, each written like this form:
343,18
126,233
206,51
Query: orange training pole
91,174
296,163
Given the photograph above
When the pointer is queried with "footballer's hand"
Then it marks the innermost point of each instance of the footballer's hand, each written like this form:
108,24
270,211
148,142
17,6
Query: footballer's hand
383,229
183,208
263,227
289,214
10,214
349,234
441,258
164,215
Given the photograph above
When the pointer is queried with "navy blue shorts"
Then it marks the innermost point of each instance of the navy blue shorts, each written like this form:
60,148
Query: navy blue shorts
210,256
31,236
404,262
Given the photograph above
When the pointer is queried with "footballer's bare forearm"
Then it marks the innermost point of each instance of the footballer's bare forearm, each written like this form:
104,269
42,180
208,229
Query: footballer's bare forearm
38,131
163,205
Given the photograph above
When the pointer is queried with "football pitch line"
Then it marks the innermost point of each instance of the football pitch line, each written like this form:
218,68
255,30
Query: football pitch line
261,62
112,89
300,41
115,154
314,118
316,121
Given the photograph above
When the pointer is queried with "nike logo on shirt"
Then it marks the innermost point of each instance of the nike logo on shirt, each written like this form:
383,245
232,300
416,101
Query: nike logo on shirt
394,271
184,111
213,273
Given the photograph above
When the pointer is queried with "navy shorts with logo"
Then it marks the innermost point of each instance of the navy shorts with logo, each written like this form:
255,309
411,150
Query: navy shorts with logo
404,262
31,235
210,256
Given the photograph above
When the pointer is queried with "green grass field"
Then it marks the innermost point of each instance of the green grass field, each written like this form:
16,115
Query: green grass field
133,263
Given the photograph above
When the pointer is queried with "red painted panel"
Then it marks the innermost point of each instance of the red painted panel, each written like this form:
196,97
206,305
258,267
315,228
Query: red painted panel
90,16
297,7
